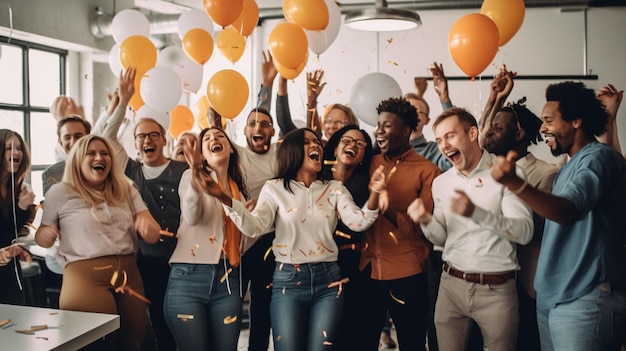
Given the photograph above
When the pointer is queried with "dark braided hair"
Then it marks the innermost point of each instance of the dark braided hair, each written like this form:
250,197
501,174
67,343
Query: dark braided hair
527,120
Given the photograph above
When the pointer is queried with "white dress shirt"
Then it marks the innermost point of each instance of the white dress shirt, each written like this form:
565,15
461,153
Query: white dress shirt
486,241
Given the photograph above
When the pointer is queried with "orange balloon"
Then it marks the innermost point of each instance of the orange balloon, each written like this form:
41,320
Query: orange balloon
136,101
288,44
290,73
231,44
198,45
228,93
181,120
202,112
223,12
508,16
139,52
308,14
473,43
247,21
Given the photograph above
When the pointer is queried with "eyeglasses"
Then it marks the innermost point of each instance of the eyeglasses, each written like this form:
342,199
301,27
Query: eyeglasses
360,144
264,124
154,136
338,123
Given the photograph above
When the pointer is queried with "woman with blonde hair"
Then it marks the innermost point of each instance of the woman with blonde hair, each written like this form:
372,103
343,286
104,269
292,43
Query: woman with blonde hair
98,217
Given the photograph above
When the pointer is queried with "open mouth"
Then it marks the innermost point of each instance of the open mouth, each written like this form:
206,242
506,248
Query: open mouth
149,150
216,148
382,143
349,152
258,138
98,167
453,155
314,155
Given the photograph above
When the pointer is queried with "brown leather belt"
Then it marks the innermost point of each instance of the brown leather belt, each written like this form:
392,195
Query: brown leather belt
481,278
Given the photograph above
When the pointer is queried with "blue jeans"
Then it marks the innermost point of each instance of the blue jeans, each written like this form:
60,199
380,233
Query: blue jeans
200,310
593,322
305,312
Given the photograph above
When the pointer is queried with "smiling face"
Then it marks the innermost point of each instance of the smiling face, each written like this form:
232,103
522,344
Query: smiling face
392,134
313,151
459,146
96,165
70,133
151,151
215,147
12,155
335,120
558,134
351,148
259,131
502,134
178,154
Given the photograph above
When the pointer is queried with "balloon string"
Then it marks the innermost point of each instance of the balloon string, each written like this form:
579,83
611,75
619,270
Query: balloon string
10,23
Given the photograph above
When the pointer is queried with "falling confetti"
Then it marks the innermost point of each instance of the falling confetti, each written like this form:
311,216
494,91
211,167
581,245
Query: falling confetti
184,317
229,319
223,278
393,236
396,299
267,253
292,210
343,235
389,40
393,63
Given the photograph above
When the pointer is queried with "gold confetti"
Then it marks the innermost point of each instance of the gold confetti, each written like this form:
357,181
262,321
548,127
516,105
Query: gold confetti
265,147
393,170
184,317
343,235
304,253
340,284
267,253
166,232
278,338
324,246
292,210
212,239
229,319
114,278
324,333
327,343
393,63
223,278
393,236
396,299
389,40
330,162
102,268
5,322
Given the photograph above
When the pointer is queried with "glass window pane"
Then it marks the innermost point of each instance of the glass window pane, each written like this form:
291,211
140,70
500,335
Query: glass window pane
43,138
44,77
11,73
13,120
37,184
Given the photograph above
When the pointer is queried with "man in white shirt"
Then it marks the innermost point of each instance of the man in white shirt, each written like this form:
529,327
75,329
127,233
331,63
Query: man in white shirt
479,222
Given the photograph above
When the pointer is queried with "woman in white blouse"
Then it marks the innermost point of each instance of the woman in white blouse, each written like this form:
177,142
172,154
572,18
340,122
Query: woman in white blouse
303,210
203,303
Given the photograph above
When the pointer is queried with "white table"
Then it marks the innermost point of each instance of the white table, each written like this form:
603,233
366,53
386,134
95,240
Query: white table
69,330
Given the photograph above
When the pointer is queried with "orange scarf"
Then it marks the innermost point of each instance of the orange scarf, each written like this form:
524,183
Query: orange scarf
232,235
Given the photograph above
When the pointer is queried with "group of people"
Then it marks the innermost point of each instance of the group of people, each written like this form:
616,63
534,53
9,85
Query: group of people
458,240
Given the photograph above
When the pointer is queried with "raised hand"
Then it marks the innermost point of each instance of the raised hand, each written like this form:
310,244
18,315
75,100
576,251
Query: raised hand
127,83
611,98
503,171
462,204
314,86
421,84
114,100
507,79
440,82
268,71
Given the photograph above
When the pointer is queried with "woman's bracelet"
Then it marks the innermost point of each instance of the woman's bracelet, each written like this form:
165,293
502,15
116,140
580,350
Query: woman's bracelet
521,188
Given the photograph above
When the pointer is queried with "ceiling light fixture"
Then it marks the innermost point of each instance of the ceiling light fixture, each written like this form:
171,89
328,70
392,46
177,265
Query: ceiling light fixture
382,19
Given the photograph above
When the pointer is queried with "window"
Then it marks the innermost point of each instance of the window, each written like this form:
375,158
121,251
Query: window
33,75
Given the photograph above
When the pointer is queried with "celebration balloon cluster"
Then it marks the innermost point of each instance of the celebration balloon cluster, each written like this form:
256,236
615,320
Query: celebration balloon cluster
474,39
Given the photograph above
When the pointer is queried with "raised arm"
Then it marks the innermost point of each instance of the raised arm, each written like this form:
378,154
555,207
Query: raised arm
283,114
314,87
501,88
268,73
125,90
440,83
611,98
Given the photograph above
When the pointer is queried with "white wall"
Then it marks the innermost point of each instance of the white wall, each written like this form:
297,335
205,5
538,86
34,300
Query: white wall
550,42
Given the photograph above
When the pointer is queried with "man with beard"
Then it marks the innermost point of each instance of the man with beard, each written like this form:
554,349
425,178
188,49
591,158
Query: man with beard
515,127
580,279
258,163
479,223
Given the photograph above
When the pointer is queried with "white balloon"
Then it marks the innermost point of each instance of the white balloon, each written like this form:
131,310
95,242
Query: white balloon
161,89
145,111
114,60
368,91
194,19
127,23
188,70
319,41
